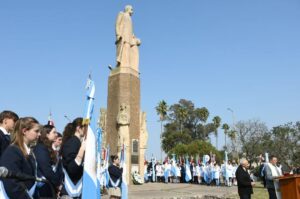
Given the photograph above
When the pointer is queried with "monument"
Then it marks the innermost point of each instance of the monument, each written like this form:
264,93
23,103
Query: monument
123,122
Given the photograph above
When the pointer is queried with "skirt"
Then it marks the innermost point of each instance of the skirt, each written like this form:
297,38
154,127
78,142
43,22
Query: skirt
114,191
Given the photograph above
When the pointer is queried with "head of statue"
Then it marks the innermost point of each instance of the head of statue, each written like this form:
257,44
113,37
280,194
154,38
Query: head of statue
129,9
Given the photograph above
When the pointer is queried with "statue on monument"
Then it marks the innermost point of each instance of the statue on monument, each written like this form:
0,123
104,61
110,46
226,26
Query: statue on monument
123,121
126,42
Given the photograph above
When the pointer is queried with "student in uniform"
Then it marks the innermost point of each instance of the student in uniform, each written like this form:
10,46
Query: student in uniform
115,181
49,165
7,124
72,152
19,158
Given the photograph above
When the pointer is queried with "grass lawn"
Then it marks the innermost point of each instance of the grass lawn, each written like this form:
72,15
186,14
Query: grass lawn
259,192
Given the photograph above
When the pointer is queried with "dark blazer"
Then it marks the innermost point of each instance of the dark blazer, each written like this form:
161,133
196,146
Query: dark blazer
45,164
115,173
69,153
14,160
243,181
4,142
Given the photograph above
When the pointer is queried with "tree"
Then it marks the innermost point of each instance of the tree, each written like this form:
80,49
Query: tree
285,143
217,123
161,110
251,137
196,148
184,120
225,127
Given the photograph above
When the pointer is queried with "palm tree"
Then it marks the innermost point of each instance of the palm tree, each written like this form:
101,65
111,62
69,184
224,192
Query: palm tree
161,110
182,115
217,123
226,128
232,136
203,115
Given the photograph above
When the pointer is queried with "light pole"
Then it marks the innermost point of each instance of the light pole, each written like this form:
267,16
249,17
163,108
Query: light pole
232,113
233,131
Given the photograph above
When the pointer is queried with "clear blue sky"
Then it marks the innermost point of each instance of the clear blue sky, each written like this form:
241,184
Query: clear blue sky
239,54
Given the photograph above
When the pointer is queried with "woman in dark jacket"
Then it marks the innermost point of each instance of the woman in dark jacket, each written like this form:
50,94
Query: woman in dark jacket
49,164
72,152
18,158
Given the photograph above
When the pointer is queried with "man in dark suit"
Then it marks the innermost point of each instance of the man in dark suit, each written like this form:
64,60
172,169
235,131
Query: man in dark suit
7,124
243,180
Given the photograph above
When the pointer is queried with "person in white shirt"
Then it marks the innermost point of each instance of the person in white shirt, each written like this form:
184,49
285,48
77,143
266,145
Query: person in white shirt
229,170
159,172
234,168
198,173
216,171
271,172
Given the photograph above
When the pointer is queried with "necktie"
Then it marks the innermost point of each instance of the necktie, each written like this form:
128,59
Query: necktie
7,137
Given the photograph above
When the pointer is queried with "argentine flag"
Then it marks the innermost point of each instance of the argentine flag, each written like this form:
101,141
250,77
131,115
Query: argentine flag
226,171
106,163
91,186
124,186
188,175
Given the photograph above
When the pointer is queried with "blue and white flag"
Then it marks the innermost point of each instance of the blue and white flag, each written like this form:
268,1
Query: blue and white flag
188,175
91,186
226,163
106,163
124,185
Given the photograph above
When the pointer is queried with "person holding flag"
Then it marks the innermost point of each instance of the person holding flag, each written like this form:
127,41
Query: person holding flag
72,151
115,180
188,174
92,156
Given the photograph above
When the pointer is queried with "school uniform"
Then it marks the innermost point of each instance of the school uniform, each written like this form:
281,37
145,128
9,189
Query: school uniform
73,170
14,160
4,140
115,180
47,169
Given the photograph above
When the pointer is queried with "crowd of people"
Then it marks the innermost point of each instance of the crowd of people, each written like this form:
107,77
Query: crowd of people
44,162
197,172
26,147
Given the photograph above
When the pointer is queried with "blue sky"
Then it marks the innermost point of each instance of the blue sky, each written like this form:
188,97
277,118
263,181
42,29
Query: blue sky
239,54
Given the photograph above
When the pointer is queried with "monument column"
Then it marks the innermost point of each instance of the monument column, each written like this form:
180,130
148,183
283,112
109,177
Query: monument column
123,102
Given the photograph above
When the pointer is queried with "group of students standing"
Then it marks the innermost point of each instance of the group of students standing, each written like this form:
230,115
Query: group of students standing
26,147
210,173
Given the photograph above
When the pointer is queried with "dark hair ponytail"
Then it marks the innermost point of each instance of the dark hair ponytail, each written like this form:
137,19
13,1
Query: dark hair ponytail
70,129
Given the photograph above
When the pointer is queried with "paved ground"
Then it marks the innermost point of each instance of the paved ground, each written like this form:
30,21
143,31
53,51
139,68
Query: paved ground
182,191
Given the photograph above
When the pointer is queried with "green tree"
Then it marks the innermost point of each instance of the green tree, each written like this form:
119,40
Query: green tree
196,148
186,120
285,143
251,137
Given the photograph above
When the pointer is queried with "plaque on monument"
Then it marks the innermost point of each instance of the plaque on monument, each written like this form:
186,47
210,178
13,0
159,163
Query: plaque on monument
135,146
134,159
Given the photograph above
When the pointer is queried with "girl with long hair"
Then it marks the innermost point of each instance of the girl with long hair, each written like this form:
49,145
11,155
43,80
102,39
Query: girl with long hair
72,152
18,158
49,164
